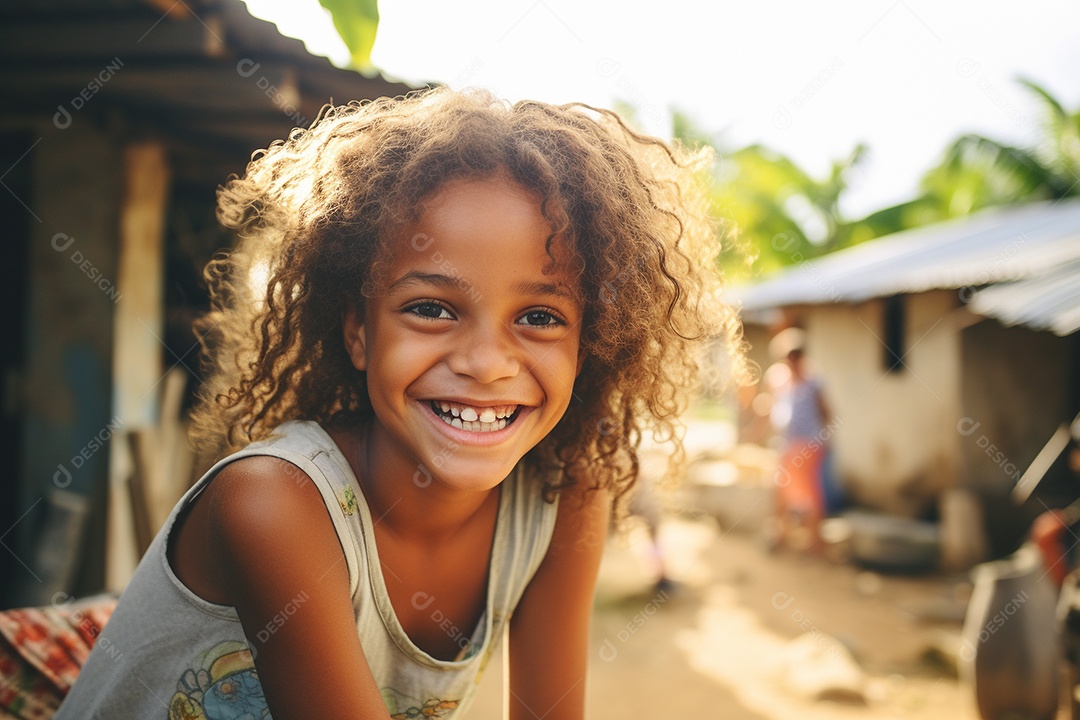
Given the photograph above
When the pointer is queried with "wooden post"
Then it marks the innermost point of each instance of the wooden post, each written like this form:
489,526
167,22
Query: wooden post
138,338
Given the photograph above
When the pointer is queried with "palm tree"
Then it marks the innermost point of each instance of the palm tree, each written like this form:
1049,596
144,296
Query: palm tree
781,215
787,214
1060,148
977,172
777,213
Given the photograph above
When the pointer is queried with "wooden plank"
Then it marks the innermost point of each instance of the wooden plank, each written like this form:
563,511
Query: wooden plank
96,38
213,102
139,317
203,87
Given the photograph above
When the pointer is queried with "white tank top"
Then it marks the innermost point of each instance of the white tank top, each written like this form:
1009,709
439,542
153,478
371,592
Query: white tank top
168,653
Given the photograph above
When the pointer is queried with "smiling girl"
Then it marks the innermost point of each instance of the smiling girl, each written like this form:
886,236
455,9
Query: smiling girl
473,312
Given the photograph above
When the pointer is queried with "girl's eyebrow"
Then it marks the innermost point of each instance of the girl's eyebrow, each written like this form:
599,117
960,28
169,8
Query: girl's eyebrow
419,278
456,283
543,288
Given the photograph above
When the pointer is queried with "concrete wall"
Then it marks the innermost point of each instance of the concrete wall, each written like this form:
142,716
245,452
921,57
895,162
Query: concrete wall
896,442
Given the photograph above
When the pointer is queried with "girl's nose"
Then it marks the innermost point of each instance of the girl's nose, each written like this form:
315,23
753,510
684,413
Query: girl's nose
488,353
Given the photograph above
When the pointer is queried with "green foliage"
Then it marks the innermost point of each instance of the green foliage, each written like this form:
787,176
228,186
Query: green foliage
357,22
1060,148
977,172
777,214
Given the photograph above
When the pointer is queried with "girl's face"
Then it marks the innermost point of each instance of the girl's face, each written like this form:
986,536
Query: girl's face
470,348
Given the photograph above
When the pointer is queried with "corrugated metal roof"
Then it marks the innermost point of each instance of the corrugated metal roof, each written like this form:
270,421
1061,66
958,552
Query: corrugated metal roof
1035,248
206,72
1050,301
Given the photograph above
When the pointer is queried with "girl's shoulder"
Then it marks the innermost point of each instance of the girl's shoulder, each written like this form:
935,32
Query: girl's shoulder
256,497
297,455
245,511
294,479
253,502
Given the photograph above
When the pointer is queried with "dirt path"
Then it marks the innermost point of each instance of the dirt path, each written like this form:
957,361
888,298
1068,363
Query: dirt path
720,645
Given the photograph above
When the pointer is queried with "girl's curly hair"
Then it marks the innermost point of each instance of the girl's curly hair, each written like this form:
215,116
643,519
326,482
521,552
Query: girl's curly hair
316,214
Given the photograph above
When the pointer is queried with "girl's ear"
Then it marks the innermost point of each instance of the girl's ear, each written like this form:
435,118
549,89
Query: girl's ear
580,364
355,338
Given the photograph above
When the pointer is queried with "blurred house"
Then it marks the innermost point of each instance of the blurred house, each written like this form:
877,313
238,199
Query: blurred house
119,120
950,354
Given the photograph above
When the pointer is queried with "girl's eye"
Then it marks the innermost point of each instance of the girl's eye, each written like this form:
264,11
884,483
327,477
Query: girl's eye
540,318
430,310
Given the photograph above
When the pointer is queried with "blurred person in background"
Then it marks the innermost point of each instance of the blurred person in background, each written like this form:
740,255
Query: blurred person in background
800,415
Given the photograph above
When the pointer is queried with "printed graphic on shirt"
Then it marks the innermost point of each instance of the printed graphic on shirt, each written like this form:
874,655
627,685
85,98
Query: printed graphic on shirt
220,684
402,707
347,501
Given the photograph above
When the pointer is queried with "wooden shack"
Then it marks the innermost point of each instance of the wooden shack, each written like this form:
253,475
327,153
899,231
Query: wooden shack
119,120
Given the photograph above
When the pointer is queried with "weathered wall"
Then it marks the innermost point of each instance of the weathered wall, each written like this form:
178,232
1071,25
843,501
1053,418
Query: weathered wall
1018,386
896,442
77,180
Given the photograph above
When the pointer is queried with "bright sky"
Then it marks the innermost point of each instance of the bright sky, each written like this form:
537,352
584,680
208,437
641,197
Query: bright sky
810,79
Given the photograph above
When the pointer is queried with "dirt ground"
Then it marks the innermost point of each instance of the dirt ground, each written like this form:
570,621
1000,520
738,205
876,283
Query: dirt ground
722,643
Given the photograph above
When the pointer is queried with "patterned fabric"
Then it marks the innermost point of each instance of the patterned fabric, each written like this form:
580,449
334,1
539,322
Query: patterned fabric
42,651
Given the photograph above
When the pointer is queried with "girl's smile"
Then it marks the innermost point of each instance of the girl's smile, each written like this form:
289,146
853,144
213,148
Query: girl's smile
471,348
475,418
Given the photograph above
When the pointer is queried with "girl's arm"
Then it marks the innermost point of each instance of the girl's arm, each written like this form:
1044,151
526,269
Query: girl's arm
281,564
549,632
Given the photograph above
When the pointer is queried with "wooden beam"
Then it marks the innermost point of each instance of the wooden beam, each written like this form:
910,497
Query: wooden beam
172,8
125,38
210,100
137,352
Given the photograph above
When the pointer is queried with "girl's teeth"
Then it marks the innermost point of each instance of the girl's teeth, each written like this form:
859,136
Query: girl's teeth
489,419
